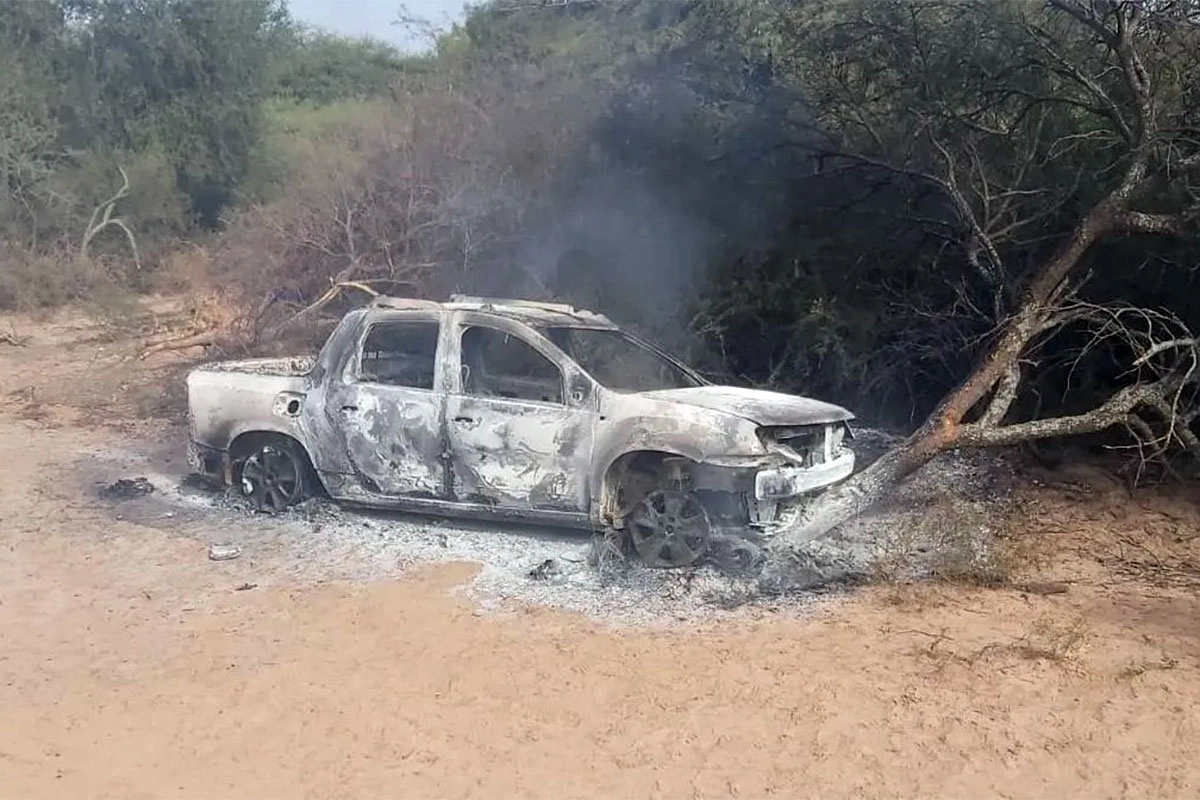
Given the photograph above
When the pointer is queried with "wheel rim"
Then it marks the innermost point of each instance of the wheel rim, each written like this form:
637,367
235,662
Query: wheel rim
669,529
271,478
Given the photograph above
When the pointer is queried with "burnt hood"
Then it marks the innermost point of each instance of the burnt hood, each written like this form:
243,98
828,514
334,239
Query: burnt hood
763,407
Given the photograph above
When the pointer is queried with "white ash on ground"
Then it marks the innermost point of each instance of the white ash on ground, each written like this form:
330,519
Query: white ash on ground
946,512
320,542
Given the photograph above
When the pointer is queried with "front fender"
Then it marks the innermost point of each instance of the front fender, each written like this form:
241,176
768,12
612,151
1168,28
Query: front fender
701,436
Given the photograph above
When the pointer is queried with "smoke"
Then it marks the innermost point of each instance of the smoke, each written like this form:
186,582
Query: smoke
646,206
617,244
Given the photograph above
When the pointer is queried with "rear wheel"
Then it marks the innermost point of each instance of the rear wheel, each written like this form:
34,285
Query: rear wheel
274,476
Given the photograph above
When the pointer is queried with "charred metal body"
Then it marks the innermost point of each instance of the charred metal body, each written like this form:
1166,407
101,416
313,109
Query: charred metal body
505,408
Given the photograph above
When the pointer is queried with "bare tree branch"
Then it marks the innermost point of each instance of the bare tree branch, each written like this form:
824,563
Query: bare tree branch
1002,399
1162,347
102,217
1108,107
1108,415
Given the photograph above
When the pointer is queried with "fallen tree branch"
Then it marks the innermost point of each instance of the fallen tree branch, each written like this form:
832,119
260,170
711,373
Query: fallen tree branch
1113,412
1158,351
325,299
228,335
207,338
1141,222
11,338
1002,400
1162,347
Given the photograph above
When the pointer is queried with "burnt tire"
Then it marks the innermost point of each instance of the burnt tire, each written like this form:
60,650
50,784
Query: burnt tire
274,476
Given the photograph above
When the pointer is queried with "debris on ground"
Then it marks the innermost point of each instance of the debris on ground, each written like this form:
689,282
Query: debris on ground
127,489
591,575
245,587
948,509
200,485
546,569
11,338
736,555
223,552
1044,588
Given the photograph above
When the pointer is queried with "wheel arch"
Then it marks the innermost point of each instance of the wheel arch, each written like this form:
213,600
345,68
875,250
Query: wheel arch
618,479
244,443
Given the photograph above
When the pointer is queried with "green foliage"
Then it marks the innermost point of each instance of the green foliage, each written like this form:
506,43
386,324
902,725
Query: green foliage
321,68
29,128
181,81
184,76
868,184
178,93
838,197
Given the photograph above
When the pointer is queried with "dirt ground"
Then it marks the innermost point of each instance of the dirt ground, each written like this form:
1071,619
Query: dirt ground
132,666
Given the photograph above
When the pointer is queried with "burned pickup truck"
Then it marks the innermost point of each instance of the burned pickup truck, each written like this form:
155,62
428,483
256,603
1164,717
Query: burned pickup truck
504,408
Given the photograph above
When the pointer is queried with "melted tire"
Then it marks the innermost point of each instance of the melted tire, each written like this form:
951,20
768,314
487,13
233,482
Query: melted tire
735,555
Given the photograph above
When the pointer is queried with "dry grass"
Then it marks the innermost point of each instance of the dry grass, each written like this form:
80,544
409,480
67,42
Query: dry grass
13,339
607,554
1139,668
42,280
1048,638
207,304
28,405
1155,560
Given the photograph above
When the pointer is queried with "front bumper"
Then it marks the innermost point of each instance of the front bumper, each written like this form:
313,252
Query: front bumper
780,483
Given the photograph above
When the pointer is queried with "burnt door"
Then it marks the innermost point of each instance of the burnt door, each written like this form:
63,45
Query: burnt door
517,438
390,408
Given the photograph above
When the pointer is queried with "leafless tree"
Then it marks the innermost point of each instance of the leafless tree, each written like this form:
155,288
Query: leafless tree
102,218
1152,174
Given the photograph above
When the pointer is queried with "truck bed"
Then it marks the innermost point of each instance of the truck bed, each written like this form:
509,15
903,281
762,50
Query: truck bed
288,367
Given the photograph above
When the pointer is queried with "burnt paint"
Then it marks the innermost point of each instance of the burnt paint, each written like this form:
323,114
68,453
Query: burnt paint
391,437
387,446
517,453
514,453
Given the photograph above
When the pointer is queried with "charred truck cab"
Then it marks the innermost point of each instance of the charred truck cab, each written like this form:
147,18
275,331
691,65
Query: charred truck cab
505,408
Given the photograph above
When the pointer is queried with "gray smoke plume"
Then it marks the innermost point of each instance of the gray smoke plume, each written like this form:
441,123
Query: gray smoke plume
617,245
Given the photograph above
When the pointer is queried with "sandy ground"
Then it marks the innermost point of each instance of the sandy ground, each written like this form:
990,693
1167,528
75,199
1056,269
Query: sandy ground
132,666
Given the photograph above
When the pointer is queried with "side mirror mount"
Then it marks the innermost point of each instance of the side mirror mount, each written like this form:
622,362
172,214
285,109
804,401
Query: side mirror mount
578,389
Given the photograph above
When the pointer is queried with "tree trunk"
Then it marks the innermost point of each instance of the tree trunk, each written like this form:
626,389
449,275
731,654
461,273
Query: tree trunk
862,490
856,494
943,429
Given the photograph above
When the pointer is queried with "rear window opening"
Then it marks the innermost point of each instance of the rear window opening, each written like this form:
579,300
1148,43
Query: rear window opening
400,354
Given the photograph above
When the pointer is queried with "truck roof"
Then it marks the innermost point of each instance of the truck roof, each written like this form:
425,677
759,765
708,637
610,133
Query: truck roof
532,312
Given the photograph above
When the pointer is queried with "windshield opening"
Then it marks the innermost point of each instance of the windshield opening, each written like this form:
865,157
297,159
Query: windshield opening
617,361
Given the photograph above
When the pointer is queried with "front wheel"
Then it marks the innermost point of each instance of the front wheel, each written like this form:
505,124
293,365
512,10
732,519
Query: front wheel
669,529
274,477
